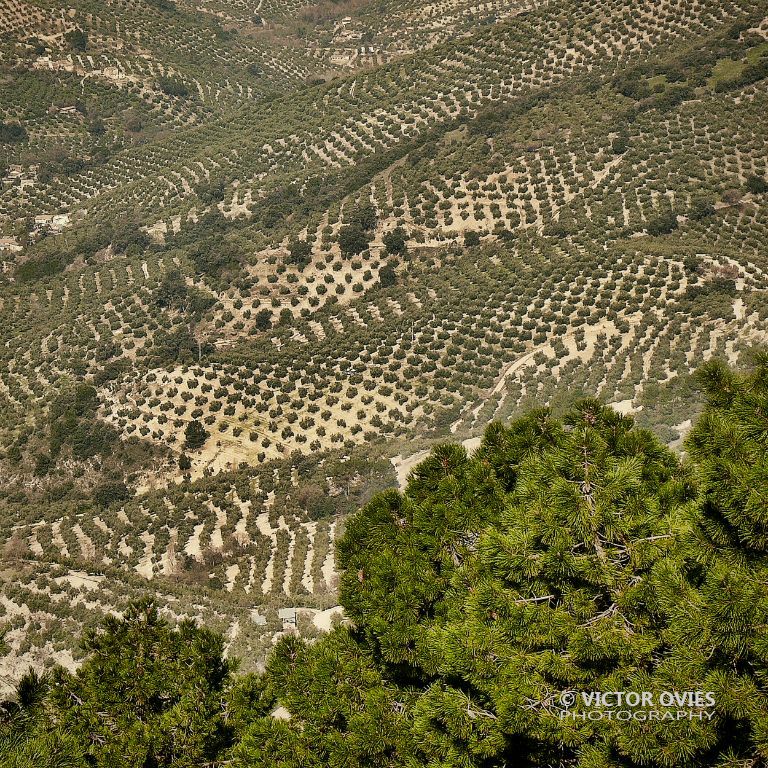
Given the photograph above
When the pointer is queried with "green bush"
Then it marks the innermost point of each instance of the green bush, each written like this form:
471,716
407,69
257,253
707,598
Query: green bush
77,39
195,435
663,224
109,493
352,240
395,242
299,253
11,133
174,87
757,185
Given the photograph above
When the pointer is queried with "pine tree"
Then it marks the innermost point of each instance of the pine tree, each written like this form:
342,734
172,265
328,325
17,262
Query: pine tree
148,694
27,738
559,594
728,445
399,553
340,710
724,624
195,435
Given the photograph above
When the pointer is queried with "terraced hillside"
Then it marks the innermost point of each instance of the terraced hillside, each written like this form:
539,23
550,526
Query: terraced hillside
249,255
250,552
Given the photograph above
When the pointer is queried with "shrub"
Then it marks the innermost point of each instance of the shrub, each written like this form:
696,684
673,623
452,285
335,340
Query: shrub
195,435
11,133
757,185
111,492
387,276
173,87
620,144
77,39
662,224
394,242
262,320
299,253
364,217
352,240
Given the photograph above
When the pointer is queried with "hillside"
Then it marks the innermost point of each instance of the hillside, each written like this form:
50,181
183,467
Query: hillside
570,593
253,257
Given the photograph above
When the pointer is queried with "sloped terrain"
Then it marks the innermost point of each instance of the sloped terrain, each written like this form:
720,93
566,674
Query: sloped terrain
248,255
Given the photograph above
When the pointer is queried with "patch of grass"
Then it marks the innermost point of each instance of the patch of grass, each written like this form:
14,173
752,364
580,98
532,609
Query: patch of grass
725,69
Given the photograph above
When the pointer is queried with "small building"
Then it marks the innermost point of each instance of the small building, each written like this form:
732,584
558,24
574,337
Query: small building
288,616
60,221
43,221
53,222
10,244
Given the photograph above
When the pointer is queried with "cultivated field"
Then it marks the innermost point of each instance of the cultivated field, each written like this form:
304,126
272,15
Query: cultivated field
252,253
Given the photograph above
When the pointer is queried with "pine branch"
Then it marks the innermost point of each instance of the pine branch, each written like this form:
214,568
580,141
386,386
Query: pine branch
604,615
475,713
534,599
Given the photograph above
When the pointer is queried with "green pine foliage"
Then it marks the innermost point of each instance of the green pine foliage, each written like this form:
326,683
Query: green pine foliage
148,695
560,593
563,555
728,446
566,554
342,710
